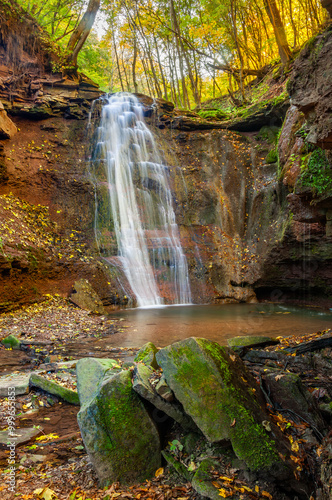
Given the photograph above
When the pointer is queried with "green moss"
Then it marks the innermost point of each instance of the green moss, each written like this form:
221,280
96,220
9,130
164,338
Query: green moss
215,114
316,172
272,156
124,420
55,389
147,355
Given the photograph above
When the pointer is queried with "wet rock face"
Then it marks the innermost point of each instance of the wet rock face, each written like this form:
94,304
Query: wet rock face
227,205
310,88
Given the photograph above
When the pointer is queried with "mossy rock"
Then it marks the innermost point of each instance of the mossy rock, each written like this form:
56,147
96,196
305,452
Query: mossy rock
147,355
54,388
236,343
272,156
11,342
90,374
119,435
218,392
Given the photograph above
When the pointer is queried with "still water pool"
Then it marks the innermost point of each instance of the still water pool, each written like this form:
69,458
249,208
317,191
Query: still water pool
166,325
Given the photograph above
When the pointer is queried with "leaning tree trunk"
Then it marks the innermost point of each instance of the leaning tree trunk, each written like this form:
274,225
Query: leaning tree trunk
279,30
82,31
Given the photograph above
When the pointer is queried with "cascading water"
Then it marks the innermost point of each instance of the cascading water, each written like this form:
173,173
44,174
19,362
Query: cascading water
141,204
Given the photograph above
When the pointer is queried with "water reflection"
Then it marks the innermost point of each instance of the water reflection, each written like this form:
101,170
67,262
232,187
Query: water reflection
166,325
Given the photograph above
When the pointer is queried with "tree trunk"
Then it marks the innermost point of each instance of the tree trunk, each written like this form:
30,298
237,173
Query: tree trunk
82,31
279,30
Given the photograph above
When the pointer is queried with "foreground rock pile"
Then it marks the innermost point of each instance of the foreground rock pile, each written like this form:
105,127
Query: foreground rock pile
207,392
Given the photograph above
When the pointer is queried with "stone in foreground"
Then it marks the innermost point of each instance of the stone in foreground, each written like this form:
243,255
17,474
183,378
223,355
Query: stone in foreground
90,374
218,392
147,355
18,381
120,437
19,436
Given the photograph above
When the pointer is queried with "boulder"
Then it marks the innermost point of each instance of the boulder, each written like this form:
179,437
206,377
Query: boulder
119,435
7,127
147,355
289,393
218,392
143,387
90,374
85,297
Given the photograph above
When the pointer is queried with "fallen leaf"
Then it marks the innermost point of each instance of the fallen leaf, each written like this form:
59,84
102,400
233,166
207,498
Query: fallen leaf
233,423
45,493
159,472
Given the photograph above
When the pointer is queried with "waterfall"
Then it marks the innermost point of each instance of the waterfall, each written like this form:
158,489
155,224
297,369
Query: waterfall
140,201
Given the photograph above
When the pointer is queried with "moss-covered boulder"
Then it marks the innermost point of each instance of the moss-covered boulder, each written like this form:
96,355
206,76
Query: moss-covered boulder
147,355
90,374
54,388
218,392
119,435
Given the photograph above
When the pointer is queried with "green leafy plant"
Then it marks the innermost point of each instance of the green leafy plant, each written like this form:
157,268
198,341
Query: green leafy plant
175,446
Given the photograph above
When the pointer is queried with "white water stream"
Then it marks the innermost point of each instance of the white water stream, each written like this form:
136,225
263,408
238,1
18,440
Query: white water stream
141,204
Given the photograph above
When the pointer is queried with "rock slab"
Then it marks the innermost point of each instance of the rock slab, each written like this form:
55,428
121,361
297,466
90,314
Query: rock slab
54,388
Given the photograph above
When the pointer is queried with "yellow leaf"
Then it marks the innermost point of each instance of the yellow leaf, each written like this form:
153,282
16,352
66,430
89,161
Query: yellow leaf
225,478
224,493
266,494
295,446
45,493
257,488
47,437
159,472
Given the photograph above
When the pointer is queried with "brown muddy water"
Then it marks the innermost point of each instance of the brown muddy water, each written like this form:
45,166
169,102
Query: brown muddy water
166,325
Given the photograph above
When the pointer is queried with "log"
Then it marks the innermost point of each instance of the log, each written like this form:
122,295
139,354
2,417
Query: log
313,345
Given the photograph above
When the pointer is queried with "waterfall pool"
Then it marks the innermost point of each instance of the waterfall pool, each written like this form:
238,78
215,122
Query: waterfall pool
166,325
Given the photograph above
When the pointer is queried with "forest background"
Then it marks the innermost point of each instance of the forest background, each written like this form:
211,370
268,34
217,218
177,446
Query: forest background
186,51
